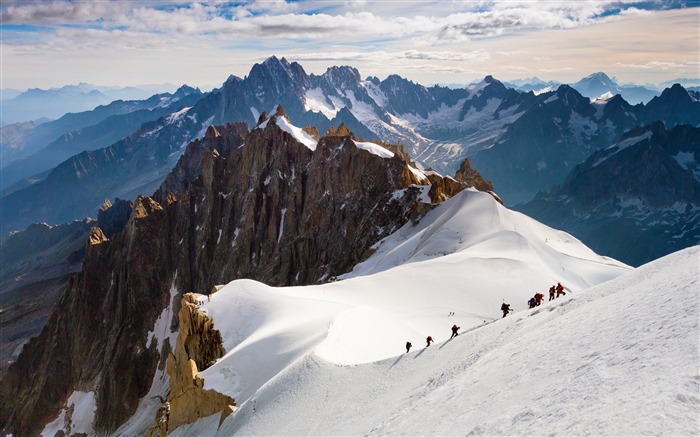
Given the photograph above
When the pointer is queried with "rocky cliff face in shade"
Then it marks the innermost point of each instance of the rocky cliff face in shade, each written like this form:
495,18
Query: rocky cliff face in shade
270,209
563,128
637,200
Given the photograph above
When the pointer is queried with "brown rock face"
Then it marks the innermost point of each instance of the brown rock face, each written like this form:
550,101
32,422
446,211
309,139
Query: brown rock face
471,178
267,208
198,346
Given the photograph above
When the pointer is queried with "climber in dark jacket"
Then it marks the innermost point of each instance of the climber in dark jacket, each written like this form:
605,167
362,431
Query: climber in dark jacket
408,346
506,309
455,328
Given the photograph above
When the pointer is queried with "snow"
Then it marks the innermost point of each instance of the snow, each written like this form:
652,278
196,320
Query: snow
618,358
375,93
613,356
175,116
297,133
582,126
476,88
281,230
552,98
685,160
417,173
374,149
605,96
622,145
83,405
315,100
161,328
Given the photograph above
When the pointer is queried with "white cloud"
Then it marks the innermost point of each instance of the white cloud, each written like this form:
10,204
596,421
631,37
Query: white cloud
60,12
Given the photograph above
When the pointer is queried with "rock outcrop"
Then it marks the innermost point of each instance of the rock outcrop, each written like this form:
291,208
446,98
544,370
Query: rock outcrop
269,208
198,346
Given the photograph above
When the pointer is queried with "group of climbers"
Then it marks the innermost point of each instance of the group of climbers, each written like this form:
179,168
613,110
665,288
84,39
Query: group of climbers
534,301
430,340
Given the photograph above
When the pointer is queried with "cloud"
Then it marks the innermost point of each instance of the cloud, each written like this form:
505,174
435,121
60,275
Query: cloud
384,56
60,12
555,70
660,65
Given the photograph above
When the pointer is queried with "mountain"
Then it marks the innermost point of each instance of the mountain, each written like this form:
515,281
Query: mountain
686,82
599,84
534,84
97,136
674,106
9,93
437,126
541,147
277,204
52,103
139,163
36,269
37,264
24,139
644,190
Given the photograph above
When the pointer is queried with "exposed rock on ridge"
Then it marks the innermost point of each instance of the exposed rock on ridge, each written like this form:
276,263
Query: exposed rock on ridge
198,346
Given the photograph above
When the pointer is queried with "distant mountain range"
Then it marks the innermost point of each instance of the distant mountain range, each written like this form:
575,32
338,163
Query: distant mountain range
524,142
29,151
36,103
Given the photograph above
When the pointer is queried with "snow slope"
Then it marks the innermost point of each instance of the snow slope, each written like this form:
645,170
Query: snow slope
617,359
612,358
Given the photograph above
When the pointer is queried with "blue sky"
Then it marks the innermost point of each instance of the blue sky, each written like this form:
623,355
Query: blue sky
53,43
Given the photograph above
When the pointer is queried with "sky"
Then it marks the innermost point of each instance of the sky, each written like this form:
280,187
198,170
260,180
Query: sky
53,43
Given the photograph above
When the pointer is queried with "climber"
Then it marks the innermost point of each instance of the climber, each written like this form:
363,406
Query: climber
408,346
560,289
455,328
538,298
551,292
428,341
506,309
532,303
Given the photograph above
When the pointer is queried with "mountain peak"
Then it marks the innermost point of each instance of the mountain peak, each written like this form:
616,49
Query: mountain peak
342,75
274,60
599,77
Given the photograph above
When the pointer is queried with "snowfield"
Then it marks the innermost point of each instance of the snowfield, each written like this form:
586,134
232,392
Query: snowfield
617,355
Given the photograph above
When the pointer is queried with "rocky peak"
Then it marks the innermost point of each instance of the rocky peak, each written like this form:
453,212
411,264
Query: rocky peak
96,237
597,79
570,96
184,91
344,77
471,178
212,133
111,218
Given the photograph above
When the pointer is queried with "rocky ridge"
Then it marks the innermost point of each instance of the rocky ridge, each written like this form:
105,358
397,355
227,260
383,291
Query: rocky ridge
278,207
